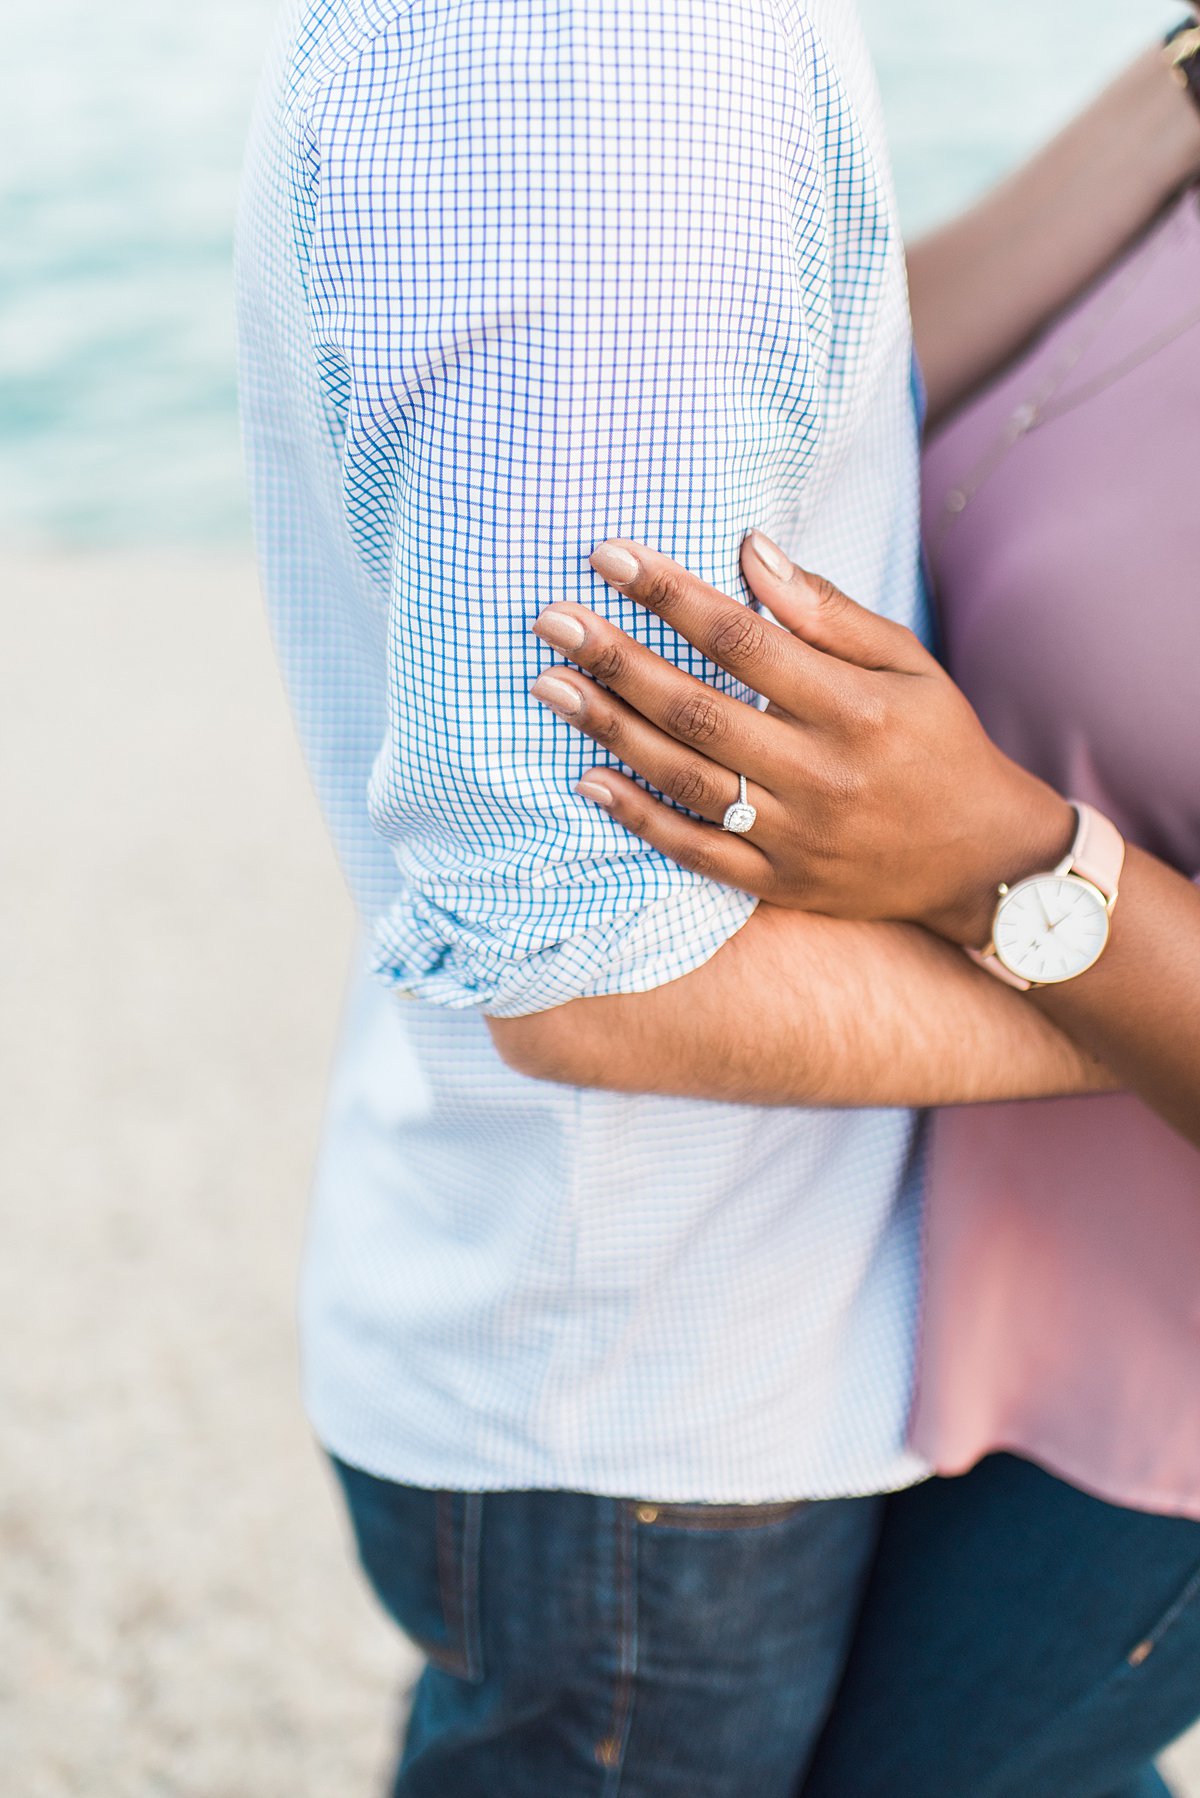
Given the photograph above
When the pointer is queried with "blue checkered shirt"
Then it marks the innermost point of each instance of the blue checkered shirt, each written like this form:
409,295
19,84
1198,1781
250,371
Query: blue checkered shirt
515,276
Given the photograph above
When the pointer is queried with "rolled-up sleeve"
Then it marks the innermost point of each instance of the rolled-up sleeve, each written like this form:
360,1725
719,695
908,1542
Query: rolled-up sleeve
569,276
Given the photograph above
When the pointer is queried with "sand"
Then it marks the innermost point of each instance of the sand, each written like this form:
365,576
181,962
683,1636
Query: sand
179,1614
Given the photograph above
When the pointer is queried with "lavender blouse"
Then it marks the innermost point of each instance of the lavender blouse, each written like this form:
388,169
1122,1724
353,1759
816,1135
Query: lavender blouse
1062,1301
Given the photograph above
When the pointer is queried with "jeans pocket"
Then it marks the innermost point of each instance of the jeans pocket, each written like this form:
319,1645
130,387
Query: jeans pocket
421,1552
717,1517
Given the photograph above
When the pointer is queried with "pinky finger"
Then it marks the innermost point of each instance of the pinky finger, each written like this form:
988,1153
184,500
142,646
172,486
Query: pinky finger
706,849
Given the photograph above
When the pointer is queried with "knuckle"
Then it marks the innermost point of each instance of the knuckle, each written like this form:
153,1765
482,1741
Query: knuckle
867,714
608,664
692,787
740,637
830,599
667,590
696,719
789,890
604,726
702,859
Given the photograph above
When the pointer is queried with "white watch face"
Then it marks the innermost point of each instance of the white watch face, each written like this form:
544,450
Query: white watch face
1051,928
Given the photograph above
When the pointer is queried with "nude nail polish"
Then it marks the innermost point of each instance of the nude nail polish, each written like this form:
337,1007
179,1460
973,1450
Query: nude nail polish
615,564
559,695
771,556
596,791
560,629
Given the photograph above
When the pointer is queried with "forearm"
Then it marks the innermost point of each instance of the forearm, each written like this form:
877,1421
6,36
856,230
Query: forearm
1139,1007
798,1009
984,284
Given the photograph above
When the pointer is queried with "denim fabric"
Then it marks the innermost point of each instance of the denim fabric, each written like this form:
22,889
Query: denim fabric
581,1647
1018,1640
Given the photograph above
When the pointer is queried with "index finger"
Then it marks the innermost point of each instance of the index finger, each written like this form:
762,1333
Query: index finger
740,640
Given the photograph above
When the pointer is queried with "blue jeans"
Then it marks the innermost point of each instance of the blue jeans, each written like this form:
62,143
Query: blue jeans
1018,1640
579,1647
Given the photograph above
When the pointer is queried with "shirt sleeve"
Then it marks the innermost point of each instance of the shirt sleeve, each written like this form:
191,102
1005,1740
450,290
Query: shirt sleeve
569,277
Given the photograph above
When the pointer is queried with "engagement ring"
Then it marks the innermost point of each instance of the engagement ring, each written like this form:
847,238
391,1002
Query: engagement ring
741,814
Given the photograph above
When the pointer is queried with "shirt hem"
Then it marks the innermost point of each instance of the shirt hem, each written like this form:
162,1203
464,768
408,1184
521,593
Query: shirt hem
1126,1495
898,1473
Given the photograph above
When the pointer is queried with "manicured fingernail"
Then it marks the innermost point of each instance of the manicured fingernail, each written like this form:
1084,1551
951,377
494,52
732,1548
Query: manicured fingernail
595,790
771,556
614,563
561,629
559,695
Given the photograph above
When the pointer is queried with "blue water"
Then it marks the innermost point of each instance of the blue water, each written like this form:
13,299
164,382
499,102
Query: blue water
121,127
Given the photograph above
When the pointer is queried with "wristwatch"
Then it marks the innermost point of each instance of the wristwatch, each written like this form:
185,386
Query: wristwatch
1053,927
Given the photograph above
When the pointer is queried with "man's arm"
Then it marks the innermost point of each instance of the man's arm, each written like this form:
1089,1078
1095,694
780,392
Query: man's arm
527,278
798,1009
984,284
568,271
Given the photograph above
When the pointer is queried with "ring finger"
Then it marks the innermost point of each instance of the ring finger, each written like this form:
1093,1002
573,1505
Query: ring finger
682,774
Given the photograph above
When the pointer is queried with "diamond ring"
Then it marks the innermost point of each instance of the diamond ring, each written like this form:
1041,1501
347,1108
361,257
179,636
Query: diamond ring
741,814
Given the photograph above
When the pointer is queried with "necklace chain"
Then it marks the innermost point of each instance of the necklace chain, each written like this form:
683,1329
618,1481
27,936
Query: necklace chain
1040,409
1110,377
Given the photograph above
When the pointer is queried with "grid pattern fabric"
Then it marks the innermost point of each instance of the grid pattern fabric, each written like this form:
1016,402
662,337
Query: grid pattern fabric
514,278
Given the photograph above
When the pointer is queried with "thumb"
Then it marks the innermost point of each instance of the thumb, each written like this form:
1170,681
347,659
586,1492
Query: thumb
819,613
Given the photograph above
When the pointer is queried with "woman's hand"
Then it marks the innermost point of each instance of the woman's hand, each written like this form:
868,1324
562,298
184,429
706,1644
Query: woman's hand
878,792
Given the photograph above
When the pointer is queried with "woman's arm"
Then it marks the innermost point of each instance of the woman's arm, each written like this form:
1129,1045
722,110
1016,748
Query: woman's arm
877,792
984,284
804,1010
1139,1007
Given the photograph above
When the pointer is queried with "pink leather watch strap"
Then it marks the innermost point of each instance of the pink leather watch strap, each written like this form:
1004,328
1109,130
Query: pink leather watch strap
1098,854
992,964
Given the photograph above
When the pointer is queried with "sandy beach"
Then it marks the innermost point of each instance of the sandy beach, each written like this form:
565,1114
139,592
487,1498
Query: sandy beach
179,1615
